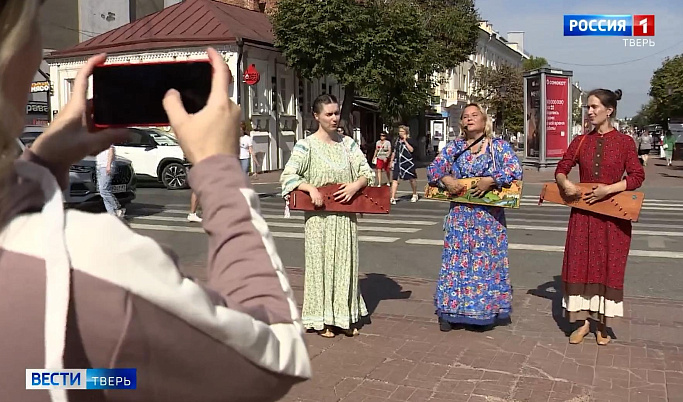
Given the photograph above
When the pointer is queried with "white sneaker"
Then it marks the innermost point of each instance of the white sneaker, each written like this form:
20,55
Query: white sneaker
388,184
193,218
414,198
392,201
120,212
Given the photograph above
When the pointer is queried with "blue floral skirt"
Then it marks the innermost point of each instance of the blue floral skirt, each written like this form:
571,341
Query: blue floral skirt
474,285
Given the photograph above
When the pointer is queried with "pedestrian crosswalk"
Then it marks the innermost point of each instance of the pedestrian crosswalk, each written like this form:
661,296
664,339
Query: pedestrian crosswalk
534,228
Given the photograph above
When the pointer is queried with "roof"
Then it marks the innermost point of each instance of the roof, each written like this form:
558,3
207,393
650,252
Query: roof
189,23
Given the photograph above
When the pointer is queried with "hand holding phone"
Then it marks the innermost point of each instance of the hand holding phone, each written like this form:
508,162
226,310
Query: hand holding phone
70,137
215,129
131,94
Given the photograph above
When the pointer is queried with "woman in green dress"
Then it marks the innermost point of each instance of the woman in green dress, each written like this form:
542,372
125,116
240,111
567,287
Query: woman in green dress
332,299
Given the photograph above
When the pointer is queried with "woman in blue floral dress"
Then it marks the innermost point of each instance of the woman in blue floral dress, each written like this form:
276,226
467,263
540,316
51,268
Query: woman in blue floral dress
474,286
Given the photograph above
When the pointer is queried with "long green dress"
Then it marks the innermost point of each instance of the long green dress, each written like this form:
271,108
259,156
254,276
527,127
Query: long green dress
331,292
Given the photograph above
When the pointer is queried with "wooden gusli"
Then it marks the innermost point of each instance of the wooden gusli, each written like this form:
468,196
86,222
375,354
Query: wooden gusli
624,205
370,200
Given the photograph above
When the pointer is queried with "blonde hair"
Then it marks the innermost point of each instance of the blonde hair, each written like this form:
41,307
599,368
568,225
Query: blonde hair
488,126
18,19
406,129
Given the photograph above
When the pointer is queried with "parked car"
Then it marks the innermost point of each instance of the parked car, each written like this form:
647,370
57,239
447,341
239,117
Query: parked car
157,156
82,191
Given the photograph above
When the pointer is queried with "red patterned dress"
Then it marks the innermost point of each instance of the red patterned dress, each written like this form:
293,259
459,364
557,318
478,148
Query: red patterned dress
597,246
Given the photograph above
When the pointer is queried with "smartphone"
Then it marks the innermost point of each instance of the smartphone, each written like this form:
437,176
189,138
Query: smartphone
126,95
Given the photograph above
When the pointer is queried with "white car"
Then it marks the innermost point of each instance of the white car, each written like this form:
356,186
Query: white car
155,155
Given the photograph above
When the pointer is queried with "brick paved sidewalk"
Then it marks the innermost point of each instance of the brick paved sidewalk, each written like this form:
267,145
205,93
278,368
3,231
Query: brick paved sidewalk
402,355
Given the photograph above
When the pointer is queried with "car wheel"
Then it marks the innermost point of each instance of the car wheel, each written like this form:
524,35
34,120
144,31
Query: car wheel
174,176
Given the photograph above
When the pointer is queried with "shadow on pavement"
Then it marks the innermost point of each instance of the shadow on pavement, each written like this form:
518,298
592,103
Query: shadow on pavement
378,287
140,209
553,291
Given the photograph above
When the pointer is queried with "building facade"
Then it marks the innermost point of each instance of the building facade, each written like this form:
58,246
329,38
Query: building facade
457,86
276,108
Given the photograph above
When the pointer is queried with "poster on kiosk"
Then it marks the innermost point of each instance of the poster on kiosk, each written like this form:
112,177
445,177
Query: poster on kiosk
547,110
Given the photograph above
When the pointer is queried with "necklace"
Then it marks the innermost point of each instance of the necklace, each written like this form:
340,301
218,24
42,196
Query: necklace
479,147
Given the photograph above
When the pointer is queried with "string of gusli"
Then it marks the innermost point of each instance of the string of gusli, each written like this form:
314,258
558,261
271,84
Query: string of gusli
329,178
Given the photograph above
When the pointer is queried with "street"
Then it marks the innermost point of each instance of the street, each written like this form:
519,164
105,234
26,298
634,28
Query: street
408,241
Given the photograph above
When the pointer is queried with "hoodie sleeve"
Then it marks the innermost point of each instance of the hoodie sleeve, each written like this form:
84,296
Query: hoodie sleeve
240,339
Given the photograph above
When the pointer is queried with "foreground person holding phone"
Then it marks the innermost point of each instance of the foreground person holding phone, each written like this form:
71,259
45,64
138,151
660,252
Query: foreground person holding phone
81,290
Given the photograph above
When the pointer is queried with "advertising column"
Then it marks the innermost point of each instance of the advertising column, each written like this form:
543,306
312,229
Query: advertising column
533,117
557,115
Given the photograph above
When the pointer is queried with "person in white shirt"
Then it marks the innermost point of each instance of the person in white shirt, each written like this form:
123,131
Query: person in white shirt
246,149
105,166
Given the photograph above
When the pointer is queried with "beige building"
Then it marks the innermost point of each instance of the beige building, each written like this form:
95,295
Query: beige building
457,85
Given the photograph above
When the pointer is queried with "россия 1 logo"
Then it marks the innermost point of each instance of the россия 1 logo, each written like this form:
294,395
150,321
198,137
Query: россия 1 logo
613,25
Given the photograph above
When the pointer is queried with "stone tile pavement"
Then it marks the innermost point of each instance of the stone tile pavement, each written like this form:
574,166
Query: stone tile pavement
402,356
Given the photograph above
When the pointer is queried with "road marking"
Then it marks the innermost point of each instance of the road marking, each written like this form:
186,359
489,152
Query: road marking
560,227
556,249
291,235
280,224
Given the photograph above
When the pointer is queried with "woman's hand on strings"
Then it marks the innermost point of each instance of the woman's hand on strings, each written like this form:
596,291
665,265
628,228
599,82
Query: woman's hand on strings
316,197
346,192
599,192
570,190
484,185
453,186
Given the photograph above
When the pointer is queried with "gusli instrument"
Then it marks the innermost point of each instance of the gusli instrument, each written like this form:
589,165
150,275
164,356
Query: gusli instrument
624,205
370,200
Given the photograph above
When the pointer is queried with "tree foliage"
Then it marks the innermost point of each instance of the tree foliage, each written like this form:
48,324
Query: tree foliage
666,90
533,63
384,49
502,92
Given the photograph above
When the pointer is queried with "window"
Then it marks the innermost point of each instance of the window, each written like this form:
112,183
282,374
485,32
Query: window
68,89
284,98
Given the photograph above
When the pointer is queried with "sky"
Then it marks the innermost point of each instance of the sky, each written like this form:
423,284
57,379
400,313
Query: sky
596,62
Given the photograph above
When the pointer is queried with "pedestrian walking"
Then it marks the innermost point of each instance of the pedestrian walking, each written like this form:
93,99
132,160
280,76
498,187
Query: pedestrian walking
82,291
105,170
474,284
332,299
597,246
645,146
668,145
403,163
381,158
194,205
246,149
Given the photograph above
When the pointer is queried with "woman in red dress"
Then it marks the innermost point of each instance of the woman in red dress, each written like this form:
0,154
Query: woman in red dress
597,246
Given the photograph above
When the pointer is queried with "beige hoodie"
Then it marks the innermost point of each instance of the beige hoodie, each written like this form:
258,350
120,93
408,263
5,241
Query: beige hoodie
82,290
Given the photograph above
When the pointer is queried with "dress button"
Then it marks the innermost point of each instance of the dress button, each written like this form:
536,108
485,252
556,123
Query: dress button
596,164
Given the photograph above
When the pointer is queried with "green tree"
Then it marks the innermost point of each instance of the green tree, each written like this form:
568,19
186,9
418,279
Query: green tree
666,90
532,63
385,49
502,92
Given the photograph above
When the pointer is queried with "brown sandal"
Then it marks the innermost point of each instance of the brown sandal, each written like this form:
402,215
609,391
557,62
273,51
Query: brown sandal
326,333
577,336
602,340
351,332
